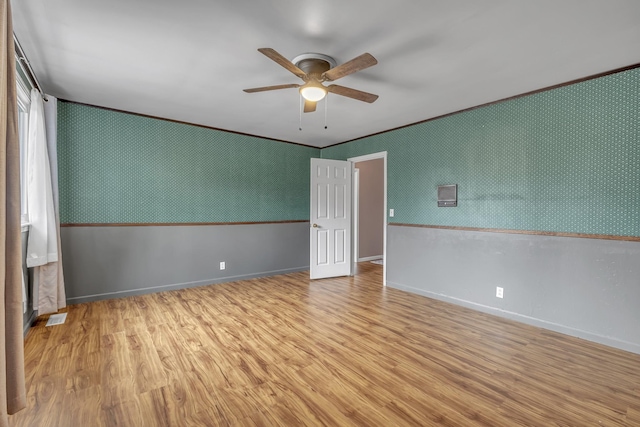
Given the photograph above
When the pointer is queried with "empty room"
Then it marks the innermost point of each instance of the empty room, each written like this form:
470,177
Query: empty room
410,213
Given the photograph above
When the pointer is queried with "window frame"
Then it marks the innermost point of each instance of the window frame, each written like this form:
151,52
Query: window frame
24,107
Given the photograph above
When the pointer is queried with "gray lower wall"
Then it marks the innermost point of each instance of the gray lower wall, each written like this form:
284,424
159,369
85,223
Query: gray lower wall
587,288
113,262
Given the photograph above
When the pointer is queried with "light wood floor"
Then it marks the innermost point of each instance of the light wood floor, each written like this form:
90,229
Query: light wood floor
288,351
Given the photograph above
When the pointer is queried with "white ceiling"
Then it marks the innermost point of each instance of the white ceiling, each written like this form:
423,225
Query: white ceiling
190,60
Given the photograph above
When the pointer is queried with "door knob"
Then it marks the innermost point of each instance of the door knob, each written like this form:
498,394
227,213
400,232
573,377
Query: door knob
315,225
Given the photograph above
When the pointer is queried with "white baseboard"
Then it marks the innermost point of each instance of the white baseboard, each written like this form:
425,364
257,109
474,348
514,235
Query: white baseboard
171,287
370,258
31,321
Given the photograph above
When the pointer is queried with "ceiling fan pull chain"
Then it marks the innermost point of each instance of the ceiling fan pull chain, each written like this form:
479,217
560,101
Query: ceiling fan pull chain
300,112
326,103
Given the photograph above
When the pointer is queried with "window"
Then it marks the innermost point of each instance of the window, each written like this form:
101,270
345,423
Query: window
24,104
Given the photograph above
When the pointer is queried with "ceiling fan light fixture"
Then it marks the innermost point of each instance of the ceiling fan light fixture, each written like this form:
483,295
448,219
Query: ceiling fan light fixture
313,92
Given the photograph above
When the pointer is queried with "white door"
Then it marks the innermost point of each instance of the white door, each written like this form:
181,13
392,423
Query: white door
330,218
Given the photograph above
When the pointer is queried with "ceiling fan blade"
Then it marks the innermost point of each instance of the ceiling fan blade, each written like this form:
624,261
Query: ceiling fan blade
282,61
309,106
265,88
352,93
361,62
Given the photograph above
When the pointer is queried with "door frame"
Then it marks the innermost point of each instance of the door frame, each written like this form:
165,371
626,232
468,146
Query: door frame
372,156
355,188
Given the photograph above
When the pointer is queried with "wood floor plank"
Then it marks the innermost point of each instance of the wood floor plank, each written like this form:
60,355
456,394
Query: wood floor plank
165,305
344,394
111,320
35,350
125,413
79,407
148,371
148,310
154,407
169,347
285,350
633,415
117,375
304,402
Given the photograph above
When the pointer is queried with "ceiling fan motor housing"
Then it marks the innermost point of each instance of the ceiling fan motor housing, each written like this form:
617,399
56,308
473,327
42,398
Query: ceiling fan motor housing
314,64
314,67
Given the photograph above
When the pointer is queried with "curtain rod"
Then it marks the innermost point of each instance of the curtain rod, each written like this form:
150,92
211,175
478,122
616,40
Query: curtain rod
22,59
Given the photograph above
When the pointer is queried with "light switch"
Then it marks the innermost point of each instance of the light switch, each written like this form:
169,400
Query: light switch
391,212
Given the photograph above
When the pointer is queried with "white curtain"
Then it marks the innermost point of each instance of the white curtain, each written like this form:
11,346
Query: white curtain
43,246
52,296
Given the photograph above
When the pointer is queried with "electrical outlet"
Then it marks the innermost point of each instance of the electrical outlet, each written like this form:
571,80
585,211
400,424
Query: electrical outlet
223,265
392,212
499,292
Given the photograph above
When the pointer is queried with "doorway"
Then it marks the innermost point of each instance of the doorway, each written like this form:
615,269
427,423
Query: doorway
370,210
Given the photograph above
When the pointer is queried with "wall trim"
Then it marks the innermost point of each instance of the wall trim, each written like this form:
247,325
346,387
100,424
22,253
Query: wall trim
178,224
176,286
499,101
556,327
528,232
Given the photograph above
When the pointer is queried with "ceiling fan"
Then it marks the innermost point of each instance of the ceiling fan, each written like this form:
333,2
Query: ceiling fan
314,69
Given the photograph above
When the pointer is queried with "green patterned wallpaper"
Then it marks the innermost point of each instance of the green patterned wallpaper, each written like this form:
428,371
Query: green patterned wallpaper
123,168
564,160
